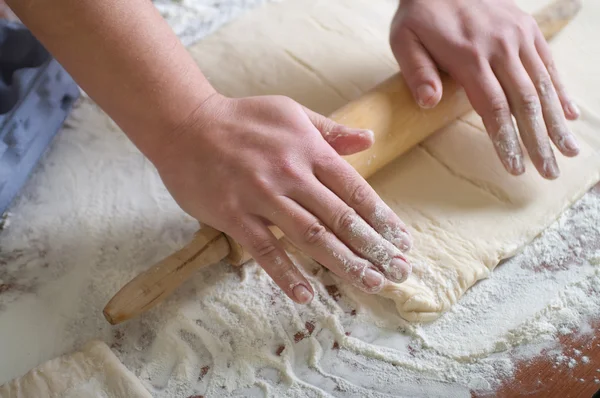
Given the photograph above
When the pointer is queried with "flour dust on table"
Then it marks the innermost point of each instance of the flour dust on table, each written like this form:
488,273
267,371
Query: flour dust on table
231,332
193,19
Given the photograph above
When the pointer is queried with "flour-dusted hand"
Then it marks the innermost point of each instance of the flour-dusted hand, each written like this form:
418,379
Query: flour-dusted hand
500,57
235,164
242,164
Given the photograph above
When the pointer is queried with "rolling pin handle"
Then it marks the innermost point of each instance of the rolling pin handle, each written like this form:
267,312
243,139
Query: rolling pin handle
149,288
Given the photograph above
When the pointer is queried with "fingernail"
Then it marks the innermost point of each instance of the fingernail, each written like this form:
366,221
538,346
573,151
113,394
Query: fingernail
516,164
368,133
570,143
399,238
372,279
302,294
551,170
399,270
573,109
425,92
403,241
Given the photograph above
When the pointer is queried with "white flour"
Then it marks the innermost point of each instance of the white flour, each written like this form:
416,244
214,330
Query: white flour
194,19
95,214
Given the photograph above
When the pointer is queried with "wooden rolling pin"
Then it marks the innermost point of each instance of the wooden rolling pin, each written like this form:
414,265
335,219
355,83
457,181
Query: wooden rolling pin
398,123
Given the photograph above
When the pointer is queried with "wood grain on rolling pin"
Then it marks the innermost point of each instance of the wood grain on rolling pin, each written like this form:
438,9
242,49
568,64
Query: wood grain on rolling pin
398,123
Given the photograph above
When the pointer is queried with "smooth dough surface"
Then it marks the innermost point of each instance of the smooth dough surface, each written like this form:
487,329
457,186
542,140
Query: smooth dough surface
92,372
465,212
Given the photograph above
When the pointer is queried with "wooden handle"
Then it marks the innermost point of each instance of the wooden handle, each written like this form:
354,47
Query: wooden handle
556,16
149,288
398,123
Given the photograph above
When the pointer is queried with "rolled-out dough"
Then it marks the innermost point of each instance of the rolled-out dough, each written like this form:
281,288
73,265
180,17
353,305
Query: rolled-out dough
465,212
92,372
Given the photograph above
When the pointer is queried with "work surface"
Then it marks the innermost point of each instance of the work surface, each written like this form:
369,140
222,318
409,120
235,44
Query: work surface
64,255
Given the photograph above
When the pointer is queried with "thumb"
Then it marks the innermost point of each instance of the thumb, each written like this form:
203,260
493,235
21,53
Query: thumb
345,140
419,70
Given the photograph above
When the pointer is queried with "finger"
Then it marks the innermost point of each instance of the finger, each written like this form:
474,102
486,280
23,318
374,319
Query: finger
554,117
525,105
419,70
345,182
569,107
488,98
353,230
267,251
312,237
345,140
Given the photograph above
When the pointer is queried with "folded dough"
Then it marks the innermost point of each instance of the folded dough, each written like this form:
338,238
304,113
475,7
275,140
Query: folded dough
466,213
92,372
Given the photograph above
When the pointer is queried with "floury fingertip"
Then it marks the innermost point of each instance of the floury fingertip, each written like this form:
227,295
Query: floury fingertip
302,294
573,110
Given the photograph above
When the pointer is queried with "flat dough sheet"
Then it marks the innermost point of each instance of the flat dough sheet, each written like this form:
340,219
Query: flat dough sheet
465,212
92,372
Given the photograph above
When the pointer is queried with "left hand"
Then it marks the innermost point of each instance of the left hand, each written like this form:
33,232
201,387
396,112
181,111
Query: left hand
500,57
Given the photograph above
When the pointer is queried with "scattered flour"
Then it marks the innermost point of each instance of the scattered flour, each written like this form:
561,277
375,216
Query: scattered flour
193,19
231,331
95,214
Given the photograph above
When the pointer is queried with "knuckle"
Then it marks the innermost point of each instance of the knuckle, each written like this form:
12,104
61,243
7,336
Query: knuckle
499,109
352,269
523,30
360,195
504,45
328,162
545,86
289,168
345,219
530,105
264,248
551,66
283,100
423,73
283,275
528,23
470,51
315,234
234,217
262,184
557,131
228,205
326,125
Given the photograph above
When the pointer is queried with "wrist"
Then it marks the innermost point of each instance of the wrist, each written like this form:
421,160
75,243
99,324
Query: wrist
173,115
164,145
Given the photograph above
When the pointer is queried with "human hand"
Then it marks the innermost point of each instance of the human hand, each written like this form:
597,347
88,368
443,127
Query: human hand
242,164
500,57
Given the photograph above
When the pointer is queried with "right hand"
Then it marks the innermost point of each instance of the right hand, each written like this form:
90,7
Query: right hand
499,55
242,164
